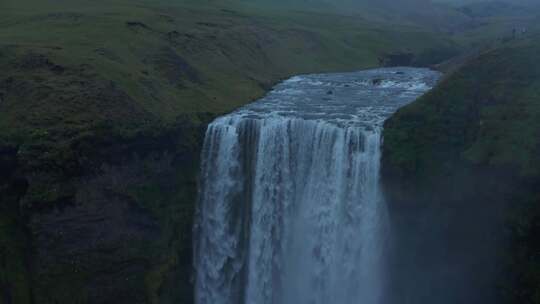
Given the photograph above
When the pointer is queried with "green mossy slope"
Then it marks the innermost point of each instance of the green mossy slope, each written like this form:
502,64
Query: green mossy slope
71,65
485,113
469,153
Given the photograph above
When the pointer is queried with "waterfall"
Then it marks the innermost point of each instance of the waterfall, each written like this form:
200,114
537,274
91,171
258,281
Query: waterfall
290,209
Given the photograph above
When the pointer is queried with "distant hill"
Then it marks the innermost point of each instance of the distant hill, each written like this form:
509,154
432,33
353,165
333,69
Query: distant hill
466,2
418,12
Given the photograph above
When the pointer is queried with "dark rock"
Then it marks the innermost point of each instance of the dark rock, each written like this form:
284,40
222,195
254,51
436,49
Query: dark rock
127,219
96,243
377,81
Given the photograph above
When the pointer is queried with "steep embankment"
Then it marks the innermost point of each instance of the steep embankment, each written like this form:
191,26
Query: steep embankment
102,108
462,169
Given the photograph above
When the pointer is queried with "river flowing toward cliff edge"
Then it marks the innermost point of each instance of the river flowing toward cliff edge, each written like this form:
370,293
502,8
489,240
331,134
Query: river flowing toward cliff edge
290,209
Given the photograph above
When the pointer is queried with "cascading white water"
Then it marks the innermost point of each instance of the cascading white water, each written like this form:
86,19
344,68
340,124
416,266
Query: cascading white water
290,208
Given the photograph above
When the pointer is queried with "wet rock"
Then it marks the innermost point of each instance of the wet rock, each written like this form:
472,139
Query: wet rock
377,81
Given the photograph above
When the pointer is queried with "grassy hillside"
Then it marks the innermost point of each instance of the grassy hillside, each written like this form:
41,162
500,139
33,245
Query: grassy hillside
493,102
468,153
71,66
75,69
102,106
164,59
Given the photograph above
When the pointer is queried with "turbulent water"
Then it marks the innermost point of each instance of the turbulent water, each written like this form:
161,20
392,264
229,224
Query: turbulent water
290,208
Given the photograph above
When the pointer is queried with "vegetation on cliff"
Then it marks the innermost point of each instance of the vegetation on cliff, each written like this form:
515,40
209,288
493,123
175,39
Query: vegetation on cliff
77,70
102,111
470,149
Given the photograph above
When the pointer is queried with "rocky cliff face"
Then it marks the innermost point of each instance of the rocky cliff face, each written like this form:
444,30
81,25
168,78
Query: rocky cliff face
460,167
117,229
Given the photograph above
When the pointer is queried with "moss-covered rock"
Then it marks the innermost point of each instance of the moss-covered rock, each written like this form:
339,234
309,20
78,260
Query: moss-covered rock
115,226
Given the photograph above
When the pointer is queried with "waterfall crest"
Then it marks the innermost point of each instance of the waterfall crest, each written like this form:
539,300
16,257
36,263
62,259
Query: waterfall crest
290,210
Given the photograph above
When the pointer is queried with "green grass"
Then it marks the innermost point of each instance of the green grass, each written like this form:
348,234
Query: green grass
474,141
161,60
134,64
488,112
